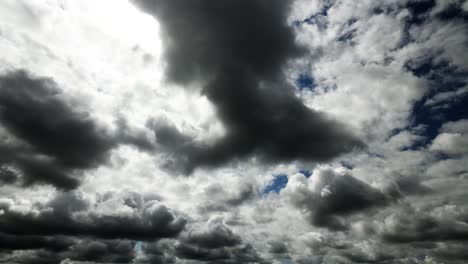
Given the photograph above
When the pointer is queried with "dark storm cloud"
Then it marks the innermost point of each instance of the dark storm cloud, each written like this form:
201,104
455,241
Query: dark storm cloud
238,50
71,226
338,196
91,251
57,138
151,221
241,254
349,195
420,228
452,251
48,139
212,242
215,242
32,110
13,242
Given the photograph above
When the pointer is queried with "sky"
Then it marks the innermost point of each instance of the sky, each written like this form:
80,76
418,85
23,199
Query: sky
233,131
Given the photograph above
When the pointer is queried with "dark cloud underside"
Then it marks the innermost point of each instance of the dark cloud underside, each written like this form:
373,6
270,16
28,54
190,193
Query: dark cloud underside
238,49
55,251
57,139
339,198
151,221
48,141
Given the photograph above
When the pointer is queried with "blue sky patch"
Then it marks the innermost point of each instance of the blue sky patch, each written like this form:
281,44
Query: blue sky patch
279,182
305,82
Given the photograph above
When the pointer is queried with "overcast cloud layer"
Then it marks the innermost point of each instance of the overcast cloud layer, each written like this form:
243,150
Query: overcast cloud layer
298,131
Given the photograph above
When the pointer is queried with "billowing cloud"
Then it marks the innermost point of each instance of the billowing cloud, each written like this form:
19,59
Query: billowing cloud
240,67
215,242
328,196
56,138
71,214
47,140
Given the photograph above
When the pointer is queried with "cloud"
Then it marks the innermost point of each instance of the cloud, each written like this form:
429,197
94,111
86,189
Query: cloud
399,228
452,139
277,247
328,196
46,139
213,234
56,138
12,242
215,242
72,214
207,242
33,111
70,251
218,199
160,252
241,67
101,251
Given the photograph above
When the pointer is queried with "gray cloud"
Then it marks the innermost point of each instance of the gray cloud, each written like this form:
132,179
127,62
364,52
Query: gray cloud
49,141
219,199
240,62
277,247
332,197
13,242
215,242
420,228
56,251
72,215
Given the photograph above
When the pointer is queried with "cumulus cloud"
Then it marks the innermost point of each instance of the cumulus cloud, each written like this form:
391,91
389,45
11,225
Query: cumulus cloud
210,242
328,197
215,242
72,214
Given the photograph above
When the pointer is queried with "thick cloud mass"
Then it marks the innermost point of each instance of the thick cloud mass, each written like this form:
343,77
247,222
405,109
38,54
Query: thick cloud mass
327,196
238,50
55,251
215,242
72,215
78,228
57,138
33,111
48,140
